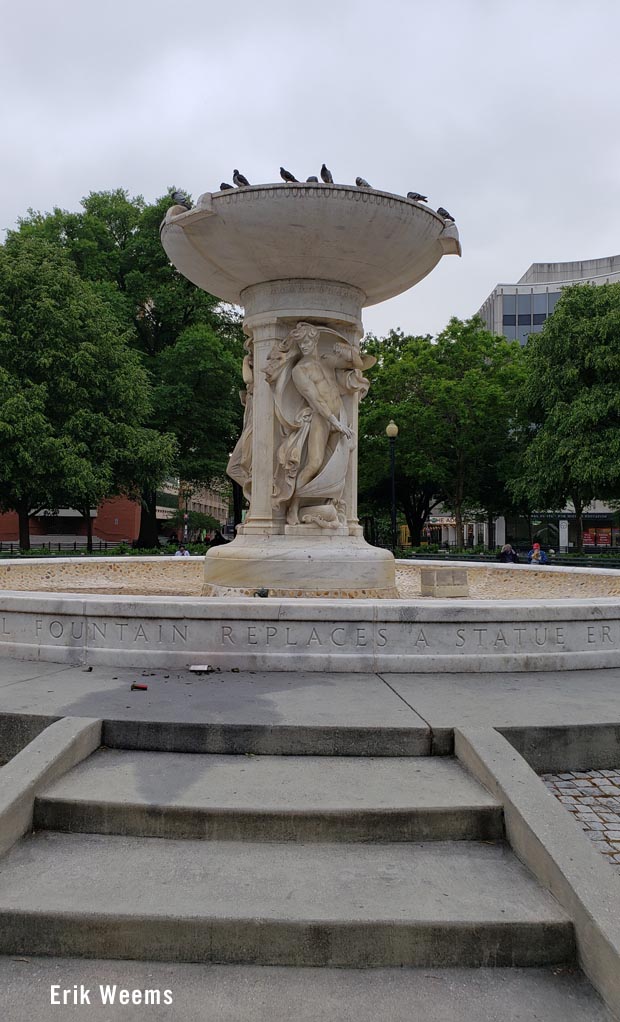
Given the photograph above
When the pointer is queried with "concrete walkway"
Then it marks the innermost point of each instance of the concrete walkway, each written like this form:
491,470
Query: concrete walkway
418,701
544,715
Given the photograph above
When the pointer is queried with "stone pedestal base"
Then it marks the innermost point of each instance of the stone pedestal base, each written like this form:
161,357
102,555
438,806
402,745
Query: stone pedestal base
338,567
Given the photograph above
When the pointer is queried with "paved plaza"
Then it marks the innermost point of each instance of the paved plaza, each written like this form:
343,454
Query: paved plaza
319,819
594,799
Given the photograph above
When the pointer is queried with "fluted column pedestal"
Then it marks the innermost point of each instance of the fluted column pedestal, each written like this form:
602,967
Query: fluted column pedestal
269,555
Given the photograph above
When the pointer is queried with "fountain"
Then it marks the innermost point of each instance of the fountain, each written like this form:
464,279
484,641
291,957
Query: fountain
303,260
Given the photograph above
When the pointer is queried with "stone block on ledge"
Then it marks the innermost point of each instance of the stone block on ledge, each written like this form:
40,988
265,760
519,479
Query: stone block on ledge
444,583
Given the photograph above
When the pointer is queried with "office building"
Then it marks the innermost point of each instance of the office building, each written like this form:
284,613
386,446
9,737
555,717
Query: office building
518,310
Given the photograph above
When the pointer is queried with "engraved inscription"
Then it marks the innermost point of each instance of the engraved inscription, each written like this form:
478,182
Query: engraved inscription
432,638
427,638
124,633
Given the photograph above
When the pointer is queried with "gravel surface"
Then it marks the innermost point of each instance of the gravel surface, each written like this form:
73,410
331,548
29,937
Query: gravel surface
183,577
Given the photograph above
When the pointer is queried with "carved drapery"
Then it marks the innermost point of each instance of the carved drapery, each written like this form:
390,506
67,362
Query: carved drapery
239,465
308,373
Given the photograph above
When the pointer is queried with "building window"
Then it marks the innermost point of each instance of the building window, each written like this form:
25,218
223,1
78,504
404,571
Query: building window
510,305
539,318
509,320
524,305
539,306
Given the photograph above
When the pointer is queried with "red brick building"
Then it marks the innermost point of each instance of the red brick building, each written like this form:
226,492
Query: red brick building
115,521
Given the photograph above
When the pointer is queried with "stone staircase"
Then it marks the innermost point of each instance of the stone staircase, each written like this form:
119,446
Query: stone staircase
298,861
224,876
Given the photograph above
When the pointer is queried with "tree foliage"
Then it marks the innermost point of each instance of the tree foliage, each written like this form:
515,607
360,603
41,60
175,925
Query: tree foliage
74,395
398,391
454,400
572,400
188,343
197,521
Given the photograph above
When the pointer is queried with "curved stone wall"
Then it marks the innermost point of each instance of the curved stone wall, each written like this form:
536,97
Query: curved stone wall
492,634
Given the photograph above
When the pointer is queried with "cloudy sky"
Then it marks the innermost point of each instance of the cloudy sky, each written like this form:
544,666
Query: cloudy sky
504,111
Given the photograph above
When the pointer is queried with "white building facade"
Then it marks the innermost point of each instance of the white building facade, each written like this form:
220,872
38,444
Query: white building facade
518,310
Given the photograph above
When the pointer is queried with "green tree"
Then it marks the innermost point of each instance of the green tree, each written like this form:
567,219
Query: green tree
188,341
29,451
195,379
479,376
454,401
572,399
399,391
64,355
196,522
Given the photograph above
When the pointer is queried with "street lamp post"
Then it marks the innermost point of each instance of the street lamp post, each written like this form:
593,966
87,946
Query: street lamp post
186,496
392,432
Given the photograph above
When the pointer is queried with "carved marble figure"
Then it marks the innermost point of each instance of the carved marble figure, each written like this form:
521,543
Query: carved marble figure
239,465
309,375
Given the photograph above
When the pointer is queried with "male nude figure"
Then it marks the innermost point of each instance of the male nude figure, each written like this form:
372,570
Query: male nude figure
314,377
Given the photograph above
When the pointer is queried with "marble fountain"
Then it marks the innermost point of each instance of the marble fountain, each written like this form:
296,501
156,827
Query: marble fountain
303,260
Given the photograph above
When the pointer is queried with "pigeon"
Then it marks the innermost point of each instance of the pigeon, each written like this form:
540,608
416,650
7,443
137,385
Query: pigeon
225,187
287,176
361,183
239,180
181,199
326,175
314,179
416,197
444,213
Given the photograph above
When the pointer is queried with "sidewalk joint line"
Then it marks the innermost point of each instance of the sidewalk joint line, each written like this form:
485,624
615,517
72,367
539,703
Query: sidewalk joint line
412,708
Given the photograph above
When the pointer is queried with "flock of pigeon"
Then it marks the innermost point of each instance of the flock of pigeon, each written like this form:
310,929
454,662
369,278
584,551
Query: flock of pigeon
239,181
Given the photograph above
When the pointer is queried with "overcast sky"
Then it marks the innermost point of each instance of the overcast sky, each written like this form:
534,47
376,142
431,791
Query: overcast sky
504,111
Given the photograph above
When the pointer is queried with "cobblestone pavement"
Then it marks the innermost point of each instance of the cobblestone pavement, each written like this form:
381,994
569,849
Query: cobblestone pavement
593,797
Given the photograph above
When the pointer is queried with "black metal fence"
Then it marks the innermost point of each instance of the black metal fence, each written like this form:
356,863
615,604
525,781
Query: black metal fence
99,546
567,560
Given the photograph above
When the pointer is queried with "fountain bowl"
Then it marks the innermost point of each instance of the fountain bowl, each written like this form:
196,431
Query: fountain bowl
380,243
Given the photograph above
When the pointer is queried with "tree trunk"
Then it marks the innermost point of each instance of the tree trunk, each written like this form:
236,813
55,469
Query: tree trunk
579,522
458,521
416,508
415,529
89,530
490,532
23,513
237,494
415,521
370,529
458,503
148,520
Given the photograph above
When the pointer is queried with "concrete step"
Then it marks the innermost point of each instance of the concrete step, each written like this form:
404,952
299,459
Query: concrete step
270,798
274,738
438,904
239,993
